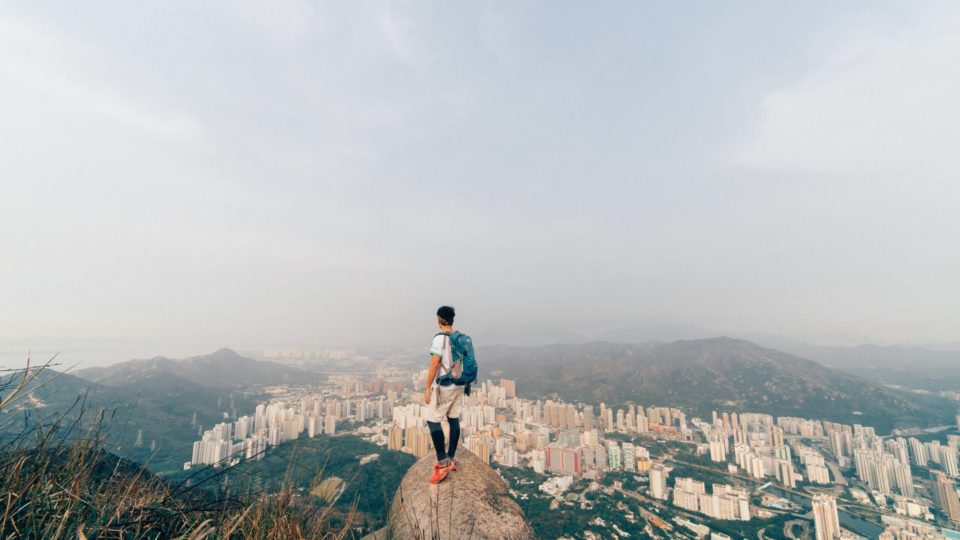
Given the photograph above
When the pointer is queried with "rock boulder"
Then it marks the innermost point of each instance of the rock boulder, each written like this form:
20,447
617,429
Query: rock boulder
472,502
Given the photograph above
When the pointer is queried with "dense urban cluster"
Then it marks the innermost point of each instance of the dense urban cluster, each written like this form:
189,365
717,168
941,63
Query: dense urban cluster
575,440
816,470
291,414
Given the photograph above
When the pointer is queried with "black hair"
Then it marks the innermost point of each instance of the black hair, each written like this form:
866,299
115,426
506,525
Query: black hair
446,313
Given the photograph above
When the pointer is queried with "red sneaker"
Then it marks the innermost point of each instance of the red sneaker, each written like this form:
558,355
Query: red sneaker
439,473
453,464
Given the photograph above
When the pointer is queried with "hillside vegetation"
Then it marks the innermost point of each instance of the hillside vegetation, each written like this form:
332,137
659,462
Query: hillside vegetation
711,374
223,369
157,398
58,482
159,405
304,464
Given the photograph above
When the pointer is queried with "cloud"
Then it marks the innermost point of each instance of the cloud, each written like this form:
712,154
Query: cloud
77,80
395,35
286,22
880,102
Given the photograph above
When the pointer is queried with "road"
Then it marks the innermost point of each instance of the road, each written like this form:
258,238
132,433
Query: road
648,514
837,475
803,524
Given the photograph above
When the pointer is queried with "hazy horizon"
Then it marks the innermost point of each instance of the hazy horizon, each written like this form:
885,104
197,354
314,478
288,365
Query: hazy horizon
75,353
185,177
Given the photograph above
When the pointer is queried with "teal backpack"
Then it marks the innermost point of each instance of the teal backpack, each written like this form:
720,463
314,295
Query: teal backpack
464,368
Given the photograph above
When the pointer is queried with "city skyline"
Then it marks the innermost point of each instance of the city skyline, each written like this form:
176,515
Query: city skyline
836,467
689,270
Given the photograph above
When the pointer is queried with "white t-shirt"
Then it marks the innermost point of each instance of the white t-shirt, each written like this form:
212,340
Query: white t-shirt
441,347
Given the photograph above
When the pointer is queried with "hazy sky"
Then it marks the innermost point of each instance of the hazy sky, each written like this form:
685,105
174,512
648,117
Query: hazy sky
299,173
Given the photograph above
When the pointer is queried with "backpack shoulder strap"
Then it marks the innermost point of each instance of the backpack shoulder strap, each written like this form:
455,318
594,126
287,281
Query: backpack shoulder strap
448,343
442,334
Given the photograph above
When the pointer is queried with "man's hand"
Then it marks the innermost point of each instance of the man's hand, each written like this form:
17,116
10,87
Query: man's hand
426,398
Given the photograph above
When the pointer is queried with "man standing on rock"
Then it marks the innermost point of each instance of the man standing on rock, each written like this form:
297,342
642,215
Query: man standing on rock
443,401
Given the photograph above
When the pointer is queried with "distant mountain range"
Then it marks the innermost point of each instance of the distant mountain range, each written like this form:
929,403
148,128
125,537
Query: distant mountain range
221,369
902,365
159,397
636,332
711,374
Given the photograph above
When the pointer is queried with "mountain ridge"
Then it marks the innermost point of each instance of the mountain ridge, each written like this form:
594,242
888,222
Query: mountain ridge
166,401
703,375
223,368
913,366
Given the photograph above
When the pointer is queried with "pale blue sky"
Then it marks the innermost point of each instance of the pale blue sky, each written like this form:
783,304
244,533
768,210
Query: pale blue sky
300,173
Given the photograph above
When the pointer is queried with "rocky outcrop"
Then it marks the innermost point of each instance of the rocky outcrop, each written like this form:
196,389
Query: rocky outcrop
472,502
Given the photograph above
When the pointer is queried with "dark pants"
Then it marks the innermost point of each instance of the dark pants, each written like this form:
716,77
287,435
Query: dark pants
436,434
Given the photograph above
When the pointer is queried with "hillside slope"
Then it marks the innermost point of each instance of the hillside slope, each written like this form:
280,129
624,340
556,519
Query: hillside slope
221,369
711,374
901,365
159,407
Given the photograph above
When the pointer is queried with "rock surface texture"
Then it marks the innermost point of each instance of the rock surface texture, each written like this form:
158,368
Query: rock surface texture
472,502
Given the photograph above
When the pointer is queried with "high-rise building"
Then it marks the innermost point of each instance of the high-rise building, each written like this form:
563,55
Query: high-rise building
394,437
243,427
903,477
918,452
643,425
948,460
953,441
825,517
818,474
588,422
629,457
538,462
882,471
899,448
933,450
726,502
755,466
509,387
614,458
785,473
564,460
718,451
573,417
480,446
945,494
658,481
776,436
783,452
507,457
416,441
687,492
836,443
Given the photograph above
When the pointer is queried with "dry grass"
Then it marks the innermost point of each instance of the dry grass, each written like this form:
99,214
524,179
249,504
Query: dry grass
56,482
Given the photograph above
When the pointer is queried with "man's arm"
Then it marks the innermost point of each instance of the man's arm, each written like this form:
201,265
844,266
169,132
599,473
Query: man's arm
431,376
